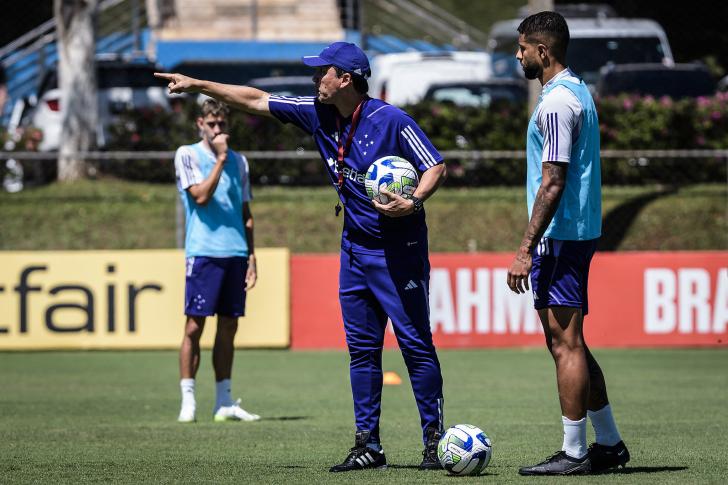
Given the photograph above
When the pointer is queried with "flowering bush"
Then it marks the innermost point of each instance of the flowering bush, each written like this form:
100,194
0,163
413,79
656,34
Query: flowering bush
156,129
626,122
630,122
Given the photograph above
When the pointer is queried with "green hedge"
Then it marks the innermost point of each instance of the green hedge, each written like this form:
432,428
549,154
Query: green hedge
626,122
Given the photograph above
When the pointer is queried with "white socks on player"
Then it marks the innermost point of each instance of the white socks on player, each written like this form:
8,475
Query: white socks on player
222,393
605,427
574,437
187,386
223,398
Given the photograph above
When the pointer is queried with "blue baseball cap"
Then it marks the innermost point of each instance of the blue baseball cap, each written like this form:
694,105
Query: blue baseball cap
344,55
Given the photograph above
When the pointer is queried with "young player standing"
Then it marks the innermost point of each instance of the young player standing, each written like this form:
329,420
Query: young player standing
564,205
384,256
214,185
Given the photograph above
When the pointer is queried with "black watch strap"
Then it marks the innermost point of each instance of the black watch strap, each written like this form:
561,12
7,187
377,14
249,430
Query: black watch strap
417,203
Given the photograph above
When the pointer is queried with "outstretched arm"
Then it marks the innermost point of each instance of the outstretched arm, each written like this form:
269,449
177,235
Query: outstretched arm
250,100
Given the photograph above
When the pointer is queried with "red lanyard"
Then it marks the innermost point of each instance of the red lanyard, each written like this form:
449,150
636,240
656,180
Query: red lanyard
344,148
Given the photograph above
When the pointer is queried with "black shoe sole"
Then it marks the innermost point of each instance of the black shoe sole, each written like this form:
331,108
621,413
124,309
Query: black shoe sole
380,468
574,471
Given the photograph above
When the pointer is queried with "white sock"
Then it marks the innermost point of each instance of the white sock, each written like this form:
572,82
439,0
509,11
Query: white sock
574,437
187,386
604,426
222,393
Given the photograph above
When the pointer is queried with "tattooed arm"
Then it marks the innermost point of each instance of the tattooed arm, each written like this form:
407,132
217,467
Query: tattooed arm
544,208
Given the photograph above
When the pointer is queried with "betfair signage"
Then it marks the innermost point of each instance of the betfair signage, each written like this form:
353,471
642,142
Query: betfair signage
122,299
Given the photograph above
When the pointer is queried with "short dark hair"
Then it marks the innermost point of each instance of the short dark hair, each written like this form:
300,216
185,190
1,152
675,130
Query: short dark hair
213,107
361,85
551,25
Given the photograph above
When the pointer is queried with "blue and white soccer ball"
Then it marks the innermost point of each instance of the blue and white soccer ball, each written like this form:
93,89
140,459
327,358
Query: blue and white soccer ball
464,450
396,174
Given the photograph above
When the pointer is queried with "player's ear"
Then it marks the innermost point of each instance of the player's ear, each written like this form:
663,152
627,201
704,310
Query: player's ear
346,79
543,51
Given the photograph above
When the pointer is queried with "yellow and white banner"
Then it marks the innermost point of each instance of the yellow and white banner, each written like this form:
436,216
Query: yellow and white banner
125,300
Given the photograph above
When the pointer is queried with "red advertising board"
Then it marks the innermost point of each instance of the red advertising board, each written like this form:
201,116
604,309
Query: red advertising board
638,299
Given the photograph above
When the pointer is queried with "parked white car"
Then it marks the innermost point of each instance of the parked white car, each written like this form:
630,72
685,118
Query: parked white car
121,85
404,78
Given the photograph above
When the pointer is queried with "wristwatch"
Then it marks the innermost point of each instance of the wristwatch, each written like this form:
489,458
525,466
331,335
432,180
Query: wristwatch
417,203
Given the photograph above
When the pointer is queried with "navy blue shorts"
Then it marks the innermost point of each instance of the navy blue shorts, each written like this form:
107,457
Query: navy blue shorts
215,285
560,273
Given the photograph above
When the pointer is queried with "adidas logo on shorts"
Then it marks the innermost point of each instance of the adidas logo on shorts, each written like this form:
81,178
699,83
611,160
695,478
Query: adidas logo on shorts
411,285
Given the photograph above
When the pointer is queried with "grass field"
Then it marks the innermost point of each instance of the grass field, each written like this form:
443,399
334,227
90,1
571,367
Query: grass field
109,214
81,417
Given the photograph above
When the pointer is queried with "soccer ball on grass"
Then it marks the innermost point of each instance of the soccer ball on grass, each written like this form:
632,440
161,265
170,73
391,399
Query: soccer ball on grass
396,174
464,450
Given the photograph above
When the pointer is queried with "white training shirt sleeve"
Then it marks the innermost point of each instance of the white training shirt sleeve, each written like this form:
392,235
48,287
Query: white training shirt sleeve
559,120
187,168
245,177
415,146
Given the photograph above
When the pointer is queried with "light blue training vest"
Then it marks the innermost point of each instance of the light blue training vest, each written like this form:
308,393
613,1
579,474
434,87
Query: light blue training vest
216,229
579,216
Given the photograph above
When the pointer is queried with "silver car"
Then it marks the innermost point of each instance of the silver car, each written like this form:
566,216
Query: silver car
122,85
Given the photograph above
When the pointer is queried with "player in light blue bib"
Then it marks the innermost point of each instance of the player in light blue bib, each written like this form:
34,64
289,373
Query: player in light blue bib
563,193
214,185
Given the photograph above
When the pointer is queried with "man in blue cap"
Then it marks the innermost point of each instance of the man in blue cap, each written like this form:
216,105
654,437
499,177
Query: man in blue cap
384,254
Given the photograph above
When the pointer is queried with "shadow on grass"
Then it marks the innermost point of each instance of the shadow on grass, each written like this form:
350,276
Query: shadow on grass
284,418
644,469
618,220
416,467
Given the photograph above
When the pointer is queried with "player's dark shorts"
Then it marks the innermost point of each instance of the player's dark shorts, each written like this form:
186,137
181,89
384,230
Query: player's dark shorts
560,273
215,285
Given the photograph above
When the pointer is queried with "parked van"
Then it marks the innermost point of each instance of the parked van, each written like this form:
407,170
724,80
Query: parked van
403,78
595,42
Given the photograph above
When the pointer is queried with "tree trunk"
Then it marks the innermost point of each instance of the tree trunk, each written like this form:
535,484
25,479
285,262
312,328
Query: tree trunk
76,27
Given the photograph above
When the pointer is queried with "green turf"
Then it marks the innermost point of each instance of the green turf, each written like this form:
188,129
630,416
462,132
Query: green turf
113,214
70,417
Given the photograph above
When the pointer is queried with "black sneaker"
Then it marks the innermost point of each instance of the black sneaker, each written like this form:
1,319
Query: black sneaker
559,464
607,457
430,461
361,457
